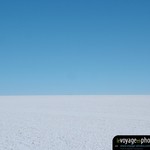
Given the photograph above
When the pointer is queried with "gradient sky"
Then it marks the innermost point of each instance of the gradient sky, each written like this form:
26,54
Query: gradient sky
74,47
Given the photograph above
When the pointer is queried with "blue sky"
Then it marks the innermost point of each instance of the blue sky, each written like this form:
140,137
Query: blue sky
74,47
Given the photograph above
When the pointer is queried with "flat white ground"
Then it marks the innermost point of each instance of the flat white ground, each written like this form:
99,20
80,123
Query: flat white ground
70,122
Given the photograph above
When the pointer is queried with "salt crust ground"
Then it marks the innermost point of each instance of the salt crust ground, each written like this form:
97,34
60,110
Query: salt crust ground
70,122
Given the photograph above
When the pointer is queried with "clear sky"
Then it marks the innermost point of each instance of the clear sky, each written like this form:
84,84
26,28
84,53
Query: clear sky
74,47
